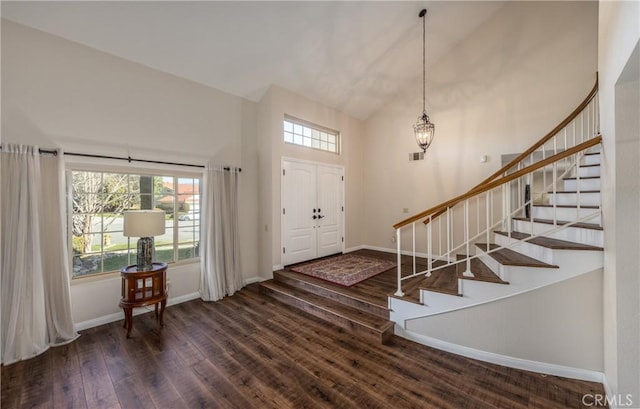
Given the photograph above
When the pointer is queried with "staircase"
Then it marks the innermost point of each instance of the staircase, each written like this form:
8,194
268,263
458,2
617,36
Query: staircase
362,316
535,222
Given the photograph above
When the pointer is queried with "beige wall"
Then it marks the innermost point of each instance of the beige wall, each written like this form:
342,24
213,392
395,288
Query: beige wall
619,32
560,324
57,93
501,89
276,103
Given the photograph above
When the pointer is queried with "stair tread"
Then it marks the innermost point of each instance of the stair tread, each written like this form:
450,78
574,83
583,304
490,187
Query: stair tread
591,226
550,243
568,206
592,153
481,271
443,280
590,166
509,257
343,291
352,314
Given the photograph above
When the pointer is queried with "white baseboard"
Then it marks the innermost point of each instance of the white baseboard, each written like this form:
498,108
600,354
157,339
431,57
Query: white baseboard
277,267
183,298
609,392
116,316
352,249
504,360
253,280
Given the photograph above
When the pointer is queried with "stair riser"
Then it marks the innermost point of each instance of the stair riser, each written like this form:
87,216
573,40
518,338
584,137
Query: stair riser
589,171
571,199
567,214
561,258
575,234
368,308
331,317
585,184
528,249
497,268
507,273
591,159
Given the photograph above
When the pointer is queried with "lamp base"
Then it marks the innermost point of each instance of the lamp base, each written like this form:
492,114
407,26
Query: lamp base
145,254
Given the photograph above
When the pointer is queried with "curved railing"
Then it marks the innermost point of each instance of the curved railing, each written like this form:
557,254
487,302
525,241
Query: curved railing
575,128
456,224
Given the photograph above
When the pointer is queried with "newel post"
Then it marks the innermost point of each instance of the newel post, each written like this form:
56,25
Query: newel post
399,293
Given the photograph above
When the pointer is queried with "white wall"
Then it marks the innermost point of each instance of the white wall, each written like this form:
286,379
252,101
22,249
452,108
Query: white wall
559,325
500,90
57,93
276,103
619,32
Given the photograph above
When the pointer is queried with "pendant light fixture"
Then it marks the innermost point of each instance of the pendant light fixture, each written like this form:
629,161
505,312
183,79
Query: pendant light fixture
423,129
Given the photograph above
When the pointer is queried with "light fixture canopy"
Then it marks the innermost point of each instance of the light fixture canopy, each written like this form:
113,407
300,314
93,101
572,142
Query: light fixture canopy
424,130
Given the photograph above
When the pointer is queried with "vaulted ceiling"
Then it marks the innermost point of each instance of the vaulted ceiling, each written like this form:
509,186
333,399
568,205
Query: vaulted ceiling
350,55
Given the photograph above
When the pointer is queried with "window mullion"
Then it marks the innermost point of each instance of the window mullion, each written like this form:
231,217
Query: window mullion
175,217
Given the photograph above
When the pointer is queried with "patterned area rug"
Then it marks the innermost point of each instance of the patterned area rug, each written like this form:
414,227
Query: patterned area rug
346,270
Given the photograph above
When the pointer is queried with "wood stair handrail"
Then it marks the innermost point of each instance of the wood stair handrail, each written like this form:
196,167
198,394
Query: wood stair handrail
508,178
545,138
520,157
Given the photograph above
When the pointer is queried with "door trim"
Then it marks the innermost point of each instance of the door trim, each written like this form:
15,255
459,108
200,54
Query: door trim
344,201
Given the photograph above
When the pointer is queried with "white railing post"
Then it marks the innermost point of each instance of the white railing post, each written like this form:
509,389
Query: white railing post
597,114
488,195
439,236
555,194
429,247
505,211
508,205
448,233
413,231
467,271
578,186
399,292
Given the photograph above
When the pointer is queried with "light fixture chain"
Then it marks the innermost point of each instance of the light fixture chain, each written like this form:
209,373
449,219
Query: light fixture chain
424,69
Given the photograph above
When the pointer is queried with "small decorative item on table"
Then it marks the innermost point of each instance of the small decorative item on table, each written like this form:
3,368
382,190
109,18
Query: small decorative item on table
141,288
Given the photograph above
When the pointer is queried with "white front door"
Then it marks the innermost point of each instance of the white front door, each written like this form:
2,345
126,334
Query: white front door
312,211
329,228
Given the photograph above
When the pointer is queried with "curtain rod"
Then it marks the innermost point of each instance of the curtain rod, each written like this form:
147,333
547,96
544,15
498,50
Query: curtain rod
45,151
129,159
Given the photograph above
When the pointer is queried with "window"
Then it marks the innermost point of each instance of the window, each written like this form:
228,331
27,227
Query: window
96,204
301,133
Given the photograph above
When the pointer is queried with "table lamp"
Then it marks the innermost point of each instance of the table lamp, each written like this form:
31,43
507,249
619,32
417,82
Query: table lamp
144,224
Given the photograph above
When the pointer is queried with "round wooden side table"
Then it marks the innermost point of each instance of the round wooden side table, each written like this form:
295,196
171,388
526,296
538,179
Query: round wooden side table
142,288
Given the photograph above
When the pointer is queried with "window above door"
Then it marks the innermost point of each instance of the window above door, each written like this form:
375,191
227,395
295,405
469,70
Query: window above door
302,133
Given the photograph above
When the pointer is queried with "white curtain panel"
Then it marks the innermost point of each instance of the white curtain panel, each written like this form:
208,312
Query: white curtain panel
219,248
36,305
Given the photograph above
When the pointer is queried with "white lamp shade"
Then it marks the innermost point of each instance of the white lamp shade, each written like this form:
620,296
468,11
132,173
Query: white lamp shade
143,223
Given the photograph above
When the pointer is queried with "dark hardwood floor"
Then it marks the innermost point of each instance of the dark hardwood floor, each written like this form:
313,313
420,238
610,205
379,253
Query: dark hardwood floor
249,351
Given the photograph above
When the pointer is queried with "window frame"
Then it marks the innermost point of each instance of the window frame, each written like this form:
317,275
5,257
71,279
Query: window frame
106,166
312,127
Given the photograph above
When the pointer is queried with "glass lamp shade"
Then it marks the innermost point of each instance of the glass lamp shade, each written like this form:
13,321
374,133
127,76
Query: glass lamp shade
424,131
